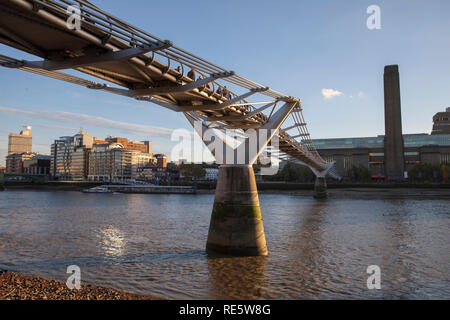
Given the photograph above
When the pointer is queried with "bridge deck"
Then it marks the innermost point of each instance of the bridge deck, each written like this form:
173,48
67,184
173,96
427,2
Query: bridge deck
142,66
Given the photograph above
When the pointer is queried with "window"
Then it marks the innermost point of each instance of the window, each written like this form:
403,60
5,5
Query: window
348,163
445,158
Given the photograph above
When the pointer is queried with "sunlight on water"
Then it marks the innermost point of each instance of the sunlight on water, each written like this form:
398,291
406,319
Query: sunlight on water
112,241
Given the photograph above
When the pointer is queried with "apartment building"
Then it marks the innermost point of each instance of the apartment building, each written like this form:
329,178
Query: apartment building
70,156
109,162
15,162
20,143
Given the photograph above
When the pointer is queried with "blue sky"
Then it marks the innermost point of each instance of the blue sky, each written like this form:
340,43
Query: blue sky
296,47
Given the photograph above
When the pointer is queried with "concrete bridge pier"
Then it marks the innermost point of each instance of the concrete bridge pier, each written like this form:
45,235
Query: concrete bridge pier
320,188
236,226
2,181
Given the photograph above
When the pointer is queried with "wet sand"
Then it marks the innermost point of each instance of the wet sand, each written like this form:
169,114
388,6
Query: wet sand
21,287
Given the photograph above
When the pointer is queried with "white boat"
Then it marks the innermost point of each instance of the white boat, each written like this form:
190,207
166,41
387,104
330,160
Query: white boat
97,190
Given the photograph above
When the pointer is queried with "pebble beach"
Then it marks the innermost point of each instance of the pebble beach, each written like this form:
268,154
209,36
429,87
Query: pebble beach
23,287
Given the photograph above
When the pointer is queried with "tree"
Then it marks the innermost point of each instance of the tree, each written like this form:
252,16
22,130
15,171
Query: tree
293,172
360,173
425,172
192,170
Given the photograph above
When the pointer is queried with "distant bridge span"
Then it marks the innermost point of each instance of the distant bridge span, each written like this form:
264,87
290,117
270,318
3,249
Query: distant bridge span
139,65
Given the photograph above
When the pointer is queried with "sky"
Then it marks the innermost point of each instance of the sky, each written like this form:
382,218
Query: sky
319,51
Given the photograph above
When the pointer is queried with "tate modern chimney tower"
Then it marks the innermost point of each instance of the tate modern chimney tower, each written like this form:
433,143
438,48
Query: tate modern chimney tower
394,163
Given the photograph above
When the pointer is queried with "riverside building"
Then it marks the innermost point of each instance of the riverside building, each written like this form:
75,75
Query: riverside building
20,143
69,156
390,155
15,162
118,161
369,151
19,150
38,165
441,122
83,157
143,146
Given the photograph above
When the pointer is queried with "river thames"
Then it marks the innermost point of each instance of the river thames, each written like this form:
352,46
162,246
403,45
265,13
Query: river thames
154,244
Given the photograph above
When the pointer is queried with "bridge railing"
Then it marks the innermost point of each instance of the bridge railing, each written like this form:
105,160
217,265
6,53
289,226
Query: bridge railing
107,26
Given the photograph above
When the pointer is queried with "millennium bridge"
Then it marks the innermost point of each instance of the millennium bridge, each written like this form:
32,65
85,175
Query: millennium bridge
127,61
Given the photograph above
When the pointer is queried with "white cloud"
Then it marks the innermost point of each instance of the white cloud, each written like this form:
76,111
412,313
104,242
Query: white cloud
52,127
330,93
94,121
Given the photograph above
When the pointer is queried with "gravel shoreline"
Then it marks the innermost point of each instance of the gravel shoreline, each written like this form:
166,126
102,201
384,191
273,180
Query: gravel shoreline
22,287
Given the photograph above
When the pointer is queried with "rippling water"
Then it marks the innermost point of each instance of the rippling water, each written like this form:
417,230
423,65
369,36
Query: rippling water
154,244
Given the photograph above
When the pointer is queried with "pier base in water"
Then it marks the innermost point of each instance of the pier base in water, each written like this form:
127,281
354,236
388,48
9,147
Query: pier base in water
236,226
320,188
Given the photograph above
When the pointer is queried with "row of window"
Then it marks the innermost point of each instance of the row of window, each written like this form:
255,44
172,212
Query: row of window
410,140
348,160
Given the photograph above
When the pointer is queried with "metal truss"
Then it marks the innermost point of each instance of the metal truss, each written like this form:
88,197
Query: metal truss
139,65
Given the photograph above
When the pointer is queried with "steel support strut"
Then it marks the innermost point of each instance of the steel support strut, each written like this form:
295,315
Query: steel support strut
140,93
236,226
225,104
113,56
184,88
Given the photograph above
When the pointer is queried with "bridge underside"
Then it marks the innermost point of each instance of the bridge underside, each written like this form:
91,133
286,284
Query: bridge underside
138,65
149,72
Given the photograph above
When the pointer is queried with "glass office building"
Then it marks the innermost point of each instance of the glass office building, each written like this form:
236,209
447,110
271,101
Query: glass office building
69,156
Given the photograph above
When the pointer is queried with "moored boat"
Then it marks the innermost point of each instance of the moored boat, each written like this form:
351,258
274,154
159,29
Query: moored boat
97,190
